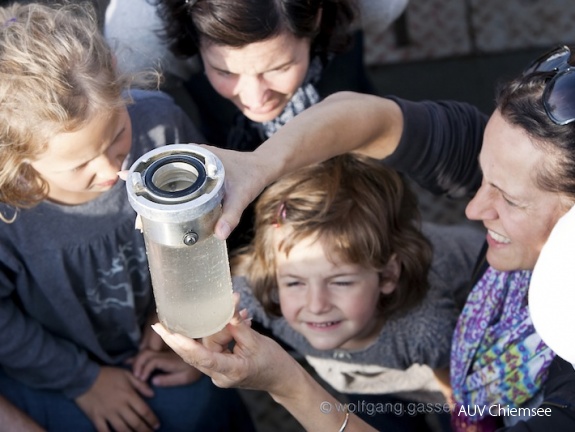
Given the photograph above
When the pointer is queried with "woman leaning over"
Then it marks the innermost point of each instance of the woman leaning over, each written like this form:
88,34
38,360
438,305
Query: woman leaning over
518,166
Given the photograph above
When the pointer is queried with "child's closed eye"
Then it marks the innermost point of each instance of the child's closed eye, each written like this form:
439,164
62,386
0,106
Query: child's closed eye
79,167
343,283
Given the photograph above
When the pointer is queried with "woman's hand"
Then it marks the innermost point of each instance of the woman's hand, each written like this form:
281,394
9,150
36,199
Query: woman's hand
246,177
150,340
255,361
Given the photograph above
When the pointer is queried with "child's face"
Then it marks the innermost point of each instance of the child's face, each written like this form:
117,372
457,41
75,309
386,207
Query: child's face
81,165
332,303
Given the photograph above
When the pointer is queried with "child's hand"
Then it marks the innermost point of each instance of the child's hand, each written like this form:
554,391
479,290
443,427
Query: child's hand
115,400
174,370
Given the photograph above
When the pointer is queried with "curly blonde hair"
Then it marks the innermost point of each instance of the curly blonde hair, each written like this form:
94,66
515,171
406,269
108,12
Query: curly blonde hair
56,73
360,210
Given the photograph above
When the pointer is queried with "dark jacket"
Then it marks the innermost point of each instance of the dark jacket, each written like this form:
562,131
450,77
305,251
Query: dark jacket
559,396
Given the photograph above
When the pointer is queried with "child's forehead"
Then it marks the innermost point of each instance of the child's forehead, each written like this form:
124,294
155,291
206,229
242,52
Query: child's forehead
285,234
287,243
82,143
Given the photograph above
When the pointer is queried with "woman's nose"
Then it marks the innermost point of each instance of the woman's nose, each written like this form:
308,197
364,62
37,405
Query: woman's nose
252,91
481,206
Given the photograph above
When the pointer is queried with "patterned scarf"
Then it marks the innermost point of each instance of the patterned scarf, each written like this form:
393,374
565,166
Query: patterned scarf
246,135
496,356
303,98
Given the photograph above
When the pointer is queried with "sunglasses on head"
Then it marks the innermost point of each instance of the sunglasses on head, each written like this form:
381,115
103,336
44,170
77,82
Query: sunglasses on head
559,93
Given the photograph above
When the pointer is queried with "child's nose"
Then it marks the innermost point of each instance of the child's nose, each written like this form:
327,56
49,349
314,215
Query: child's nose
318,300
106,166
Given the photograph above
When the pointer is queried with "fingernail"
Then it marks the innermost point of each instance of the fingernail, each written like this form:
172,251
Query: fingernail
223,230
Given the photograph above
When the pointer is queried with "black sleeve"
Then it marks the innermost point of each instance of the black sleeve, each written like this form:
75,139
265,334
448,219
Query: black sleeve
559,397
440,145
559,420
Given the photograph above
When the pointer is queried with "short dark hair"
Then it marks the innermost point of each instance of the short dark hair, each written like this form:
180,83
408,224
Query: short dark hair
237,23
520,103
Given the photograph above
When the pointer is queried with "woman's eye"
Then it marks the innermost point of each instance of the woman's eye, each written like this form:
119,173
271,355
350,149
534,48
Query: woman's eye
509,202
278,71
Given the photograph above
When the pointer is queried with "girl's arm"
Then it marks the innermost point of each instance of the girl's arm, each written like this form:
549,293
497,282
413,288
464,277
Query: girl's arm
14,420
258,363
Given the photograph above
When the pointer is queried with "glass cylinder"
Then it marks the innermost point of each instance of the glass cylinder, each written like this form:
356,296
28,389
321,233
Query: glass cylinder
177,192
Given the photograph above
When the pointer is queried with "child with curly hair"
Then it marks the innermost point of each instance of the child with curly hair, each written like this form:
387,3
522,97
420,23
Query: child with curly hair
75,292
340,270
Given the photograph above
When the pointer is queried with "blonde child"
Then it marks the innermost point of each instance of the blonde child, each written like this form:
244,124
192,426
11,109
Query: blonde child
340,271
75,296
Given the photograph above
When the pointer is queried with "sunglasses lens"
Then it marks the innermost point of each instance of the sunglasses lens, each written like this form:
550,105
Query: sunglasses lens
559,98
554,60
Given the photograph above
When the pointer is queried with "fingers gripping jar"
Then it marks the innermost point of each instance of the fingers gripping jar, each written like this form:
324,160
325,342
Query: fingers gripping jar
177,191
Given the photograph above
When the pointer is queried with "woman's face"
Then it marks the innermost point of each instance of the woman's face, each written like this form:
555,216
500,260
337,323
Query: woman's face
261,77
518,215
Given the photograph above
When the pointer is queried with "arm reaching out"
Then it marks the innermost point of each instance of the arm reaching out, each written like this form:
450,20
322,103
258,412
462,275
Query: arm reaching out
14,420
343,122
257,362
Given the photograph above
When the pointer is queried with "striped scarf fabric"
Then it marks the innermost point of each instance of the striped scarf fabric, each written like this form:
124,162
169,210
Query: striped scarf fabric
303,98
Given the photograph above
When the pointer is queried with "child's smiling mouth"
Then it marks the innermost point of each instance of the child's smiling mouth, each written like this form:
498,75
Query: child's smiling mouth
322,325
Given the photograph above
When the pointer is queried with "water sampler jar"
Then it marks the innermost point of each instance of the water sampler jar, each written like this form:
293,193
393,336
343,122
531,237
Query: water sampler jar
177,192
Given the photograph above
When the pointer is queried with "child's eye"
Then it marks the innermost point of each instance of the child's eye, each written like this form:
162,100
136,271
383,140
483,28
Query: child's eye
343,283
79,167
293,284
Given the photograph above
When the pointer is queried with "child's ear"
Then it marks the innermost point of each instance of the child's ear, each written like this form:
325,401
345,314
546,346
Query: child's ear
390,275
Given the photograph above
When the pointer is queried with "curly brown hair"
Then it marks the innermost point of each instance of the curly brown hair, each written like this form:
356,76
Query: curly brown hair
56,73
361,210
238,23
